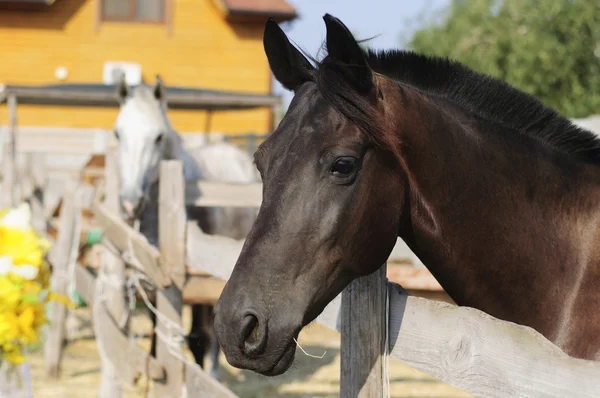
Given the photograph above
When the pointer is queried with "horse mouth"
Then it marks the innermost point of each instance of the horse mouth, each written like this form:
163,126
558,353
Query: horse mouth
284,362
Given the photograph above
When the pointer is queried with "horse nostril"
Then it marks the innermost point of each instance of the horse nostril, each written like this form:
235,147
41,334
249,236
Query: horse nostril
254,336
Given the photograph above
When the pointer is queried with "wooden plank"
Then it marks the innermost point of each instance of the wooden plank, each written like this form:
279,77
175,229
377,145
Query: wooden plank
131,359
215,255
9,169
461,346
172,220
61,257
126,239
202,289
171,238
201,385
485,356
177,99
363,336
61,140
213,193
476,352
113,308
412,278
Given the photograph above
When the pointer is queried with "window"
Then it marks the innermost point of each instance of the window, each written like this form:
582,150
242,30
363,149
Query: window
134,10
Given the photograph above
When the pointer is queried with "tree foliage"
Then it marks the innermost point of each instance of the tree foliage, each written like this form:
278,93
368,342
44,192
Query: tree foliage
547,48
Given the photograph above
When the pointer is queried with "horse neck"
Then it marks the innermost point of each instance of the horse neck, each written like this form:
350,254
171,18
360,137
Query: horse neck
497,218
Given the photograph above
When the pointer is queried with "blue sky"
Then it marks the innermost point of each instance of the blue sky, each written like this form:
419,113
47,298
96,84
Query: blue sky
392,21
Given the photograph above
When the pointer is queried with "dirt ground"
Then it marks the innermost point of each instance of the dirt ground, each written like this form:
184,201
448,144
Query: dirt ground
308,378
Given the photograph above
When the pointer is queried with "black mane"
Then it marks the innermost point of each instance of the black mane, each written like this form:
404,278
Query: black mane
482,95
488,97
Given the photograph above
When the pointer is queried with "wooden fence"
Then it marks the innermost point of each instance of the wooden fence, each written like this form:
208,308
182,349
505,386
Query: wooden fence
461,346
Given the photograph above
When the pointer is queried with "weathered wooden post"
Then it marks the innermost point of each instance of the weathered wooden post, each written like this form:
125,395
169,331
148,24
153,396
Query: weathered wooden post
171,242
61,257
110,292
363,337
37,175
9,167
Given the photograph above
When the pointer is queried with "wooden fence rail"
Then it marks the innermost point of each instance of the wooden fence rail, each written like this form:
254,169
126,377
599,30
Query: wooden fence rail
461,346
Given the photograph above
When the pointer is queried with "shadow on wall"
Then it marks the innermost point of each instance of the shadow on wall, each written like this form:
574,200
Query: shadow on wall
26,16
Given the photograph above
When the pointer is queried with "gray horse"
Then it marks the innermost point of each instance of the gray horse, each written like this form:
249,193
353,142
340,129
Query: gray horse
145,137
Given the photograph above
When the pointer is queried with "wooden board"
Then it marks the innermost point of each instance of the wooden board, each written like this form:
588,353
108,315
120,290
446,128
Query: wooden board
363,337
200,385
131,358
461,346
171,237
222,194
126,239
60,257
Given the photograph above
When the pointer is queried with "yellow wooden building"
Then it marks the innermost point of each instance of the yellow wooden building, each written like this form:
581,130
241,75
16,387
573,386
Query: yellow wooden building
199,44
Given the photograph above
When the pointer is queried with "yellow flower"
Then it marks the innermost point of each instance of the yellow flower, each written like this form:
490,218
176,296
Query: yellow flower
24,284
9,331
21,246
26,325
10,295
13,354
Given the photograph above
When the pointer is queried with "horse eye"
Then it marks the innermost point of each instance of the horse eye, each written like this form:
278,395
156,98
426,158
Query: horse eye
116,134
159,138
343,167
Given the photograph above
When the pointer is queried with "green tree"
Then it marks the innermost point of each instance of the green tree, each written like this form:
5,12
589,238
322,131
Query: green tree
547,48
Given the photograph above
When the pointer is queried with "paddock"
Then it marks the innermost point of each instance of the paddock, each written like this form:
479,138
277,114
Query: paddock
376,317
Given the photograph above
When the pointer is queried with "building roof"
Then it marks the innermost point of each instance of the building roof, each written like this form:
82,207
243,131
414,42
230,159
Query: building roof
105,95
257,10
46,2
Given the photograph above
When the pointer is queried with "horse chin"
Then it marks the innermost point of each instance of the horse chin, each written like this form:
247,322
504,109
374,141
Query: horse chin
284,362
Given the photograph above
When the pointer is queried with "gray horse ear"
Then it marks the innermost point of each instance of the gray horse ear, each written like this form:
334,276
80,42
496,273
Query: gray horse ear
122,89
159,89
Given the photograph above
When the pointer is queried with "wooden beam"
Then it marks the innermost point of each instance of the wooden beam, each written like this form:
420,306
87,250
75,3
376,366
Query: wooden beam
61,256
149,260
199,384
461,346
363,336
172,220
9,172
202,289
482,355
222,194
171,238
112,306
476,352
132,360
191,99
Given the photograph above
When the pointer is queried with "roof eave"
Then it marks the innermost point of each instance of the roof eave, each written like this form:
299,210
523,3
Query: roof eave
42,2
258,16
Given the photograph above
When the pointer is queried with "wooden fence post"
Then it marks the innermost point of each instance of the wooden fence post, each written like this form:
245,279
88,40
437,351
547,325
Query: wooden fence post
37,175
110,292
61,258
363,336
9,167
171,238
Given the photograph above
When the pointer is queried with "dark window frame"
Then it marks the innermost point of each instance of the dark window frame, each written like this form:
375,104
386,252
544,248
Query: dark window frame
132,17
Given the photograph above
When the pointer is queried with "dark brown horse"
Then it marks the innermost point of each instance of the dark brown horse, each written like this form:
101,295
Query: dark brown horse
496,193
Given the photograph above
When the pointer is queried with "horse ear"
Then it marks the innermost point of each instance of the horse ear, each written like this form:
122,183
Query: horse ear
288,64
122,89
159,89
343,47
